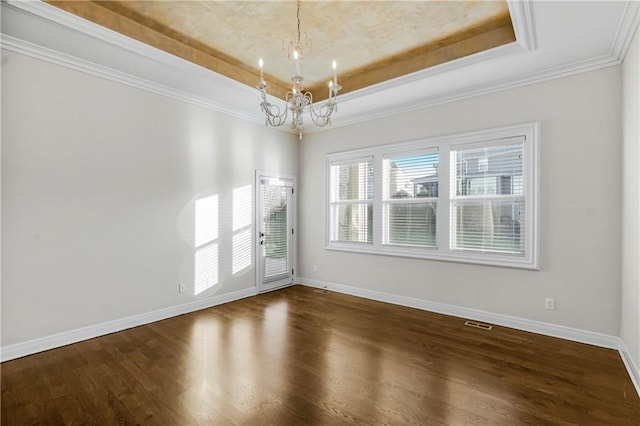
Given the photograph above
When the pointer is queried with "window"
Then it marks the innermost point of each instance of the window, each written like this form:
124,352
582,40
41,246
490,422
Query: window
466,198
351,201
410,199
486,207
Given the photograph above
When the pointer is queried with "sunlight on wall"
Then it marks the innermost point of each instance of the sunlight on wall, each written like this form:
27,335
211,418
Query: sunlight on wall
242,214
206,220
206,243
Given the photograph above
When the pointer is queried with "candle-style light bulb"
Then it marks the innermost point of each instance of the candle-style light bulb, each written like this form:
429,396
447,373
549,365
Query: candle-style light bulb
330,86
296,56
335,75
261,64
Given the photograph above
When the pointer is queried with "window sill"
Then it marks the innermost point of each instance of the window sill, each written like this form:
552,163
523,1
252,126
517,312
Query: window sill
434,254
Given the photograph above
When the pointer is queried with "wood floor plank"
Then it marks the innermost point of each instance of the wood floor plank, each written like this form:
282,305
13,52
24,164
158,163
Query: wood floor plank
298,357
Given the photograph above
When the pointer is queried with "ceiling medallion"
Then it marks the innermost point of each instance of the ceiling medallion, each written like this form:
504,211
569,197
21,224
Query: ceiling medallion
297,99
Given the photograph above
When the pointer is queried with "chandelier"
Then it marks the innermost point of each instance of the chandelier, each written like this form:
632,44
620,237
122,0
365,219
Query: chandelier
297,100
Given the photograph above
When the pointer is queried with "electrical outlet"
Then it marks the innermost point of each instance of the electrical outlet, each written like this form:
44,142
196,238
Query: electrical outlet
315,268
180,288
550,303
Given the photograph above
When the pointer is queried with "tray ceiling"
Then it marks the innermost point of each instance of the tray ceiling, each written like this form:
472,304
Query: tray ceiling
372,41
552,41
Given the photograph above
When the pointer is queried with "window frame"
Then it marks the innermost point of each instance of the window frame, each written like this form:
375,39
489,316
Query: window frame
446,183
404,201
331,204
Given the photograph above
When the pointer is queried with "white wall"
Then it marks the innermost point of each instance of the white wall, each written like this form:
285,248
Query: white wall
630,324
580,148
99,182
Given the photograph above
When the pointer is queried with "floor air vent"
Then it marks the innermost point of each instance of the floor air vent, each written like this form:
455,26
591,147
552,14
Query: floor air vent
478,325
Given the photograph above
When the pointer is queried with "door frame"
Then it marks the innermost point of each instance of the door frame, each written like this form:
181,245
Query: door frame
260,175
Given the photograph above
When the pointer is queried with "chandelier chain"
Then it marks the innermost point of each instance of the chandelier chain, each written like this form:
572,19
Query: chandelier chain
298,18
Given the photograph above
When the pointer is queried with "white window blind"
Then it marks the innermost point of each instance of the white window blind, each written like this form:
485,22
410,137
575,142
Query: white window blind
410,199
351,201
489,202
275,248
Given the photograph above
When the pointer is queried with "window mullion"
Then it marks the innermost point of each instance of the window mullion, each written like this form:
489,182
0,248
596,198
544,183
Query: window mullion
443,212
377,200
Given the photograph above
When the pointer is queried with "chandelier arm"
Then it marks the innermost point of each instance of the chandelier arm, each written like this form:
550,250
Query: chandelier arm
322,116
274,116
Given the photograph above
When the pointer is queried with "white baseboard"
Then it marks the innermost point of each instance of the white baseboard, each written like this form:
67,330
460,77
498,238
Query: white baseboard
547,329
73,336
539,327
632,367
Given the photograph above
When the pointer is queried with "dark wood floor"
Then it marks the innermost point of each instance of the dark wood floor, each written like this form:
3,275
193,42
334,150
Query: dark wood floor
298,357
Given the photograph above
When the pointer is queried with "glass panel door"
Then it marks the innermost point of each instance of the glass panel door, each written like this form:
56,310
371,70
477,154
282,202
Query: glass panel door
276,233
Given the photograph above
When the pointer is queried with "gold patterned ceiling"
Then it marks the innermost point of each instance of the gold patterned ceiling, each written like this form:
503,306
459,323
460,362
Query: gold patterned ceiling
372,41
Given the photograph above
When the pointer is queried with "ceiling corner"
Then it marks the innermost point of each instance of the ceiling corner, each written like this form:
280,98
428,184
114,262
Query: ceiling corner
629,24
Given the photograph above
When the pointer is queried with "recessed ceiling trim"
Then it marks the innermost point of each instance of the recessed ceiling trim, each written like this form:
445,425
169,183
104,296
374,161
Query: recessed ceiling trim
522,19
497,52
116,17
149,28
422,58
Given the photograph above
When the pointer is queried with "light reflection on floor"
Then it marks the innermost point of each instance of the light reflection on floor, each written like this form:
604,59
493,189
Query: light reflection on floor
268,361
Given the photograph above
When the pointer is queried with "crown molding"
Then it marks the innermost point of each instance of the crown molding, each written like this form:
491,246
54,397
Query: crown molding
15,45
496,52
522,20
626,30
567,70
389,110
